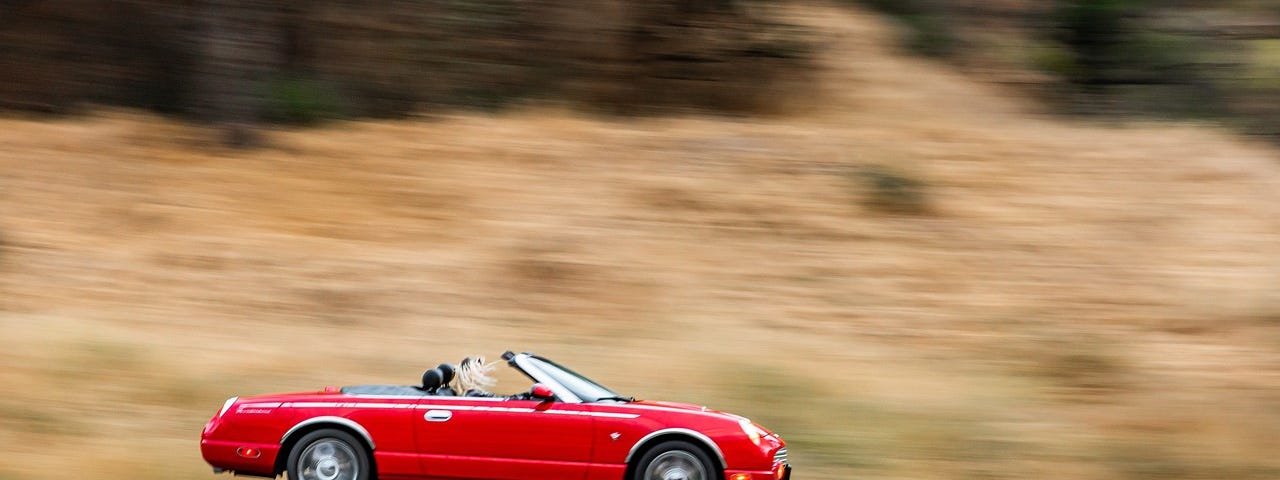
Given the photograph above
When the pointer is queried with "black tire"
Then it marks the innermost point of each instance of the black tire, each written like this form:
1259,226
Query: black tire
675,460
328,455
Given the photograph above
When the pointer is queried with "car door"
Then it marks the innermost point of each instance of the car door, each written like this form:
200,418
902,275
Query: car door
498,439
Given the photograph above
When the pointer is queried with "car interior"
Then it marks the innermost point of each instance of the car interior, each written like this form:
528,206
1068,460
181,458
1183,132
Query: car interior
434,382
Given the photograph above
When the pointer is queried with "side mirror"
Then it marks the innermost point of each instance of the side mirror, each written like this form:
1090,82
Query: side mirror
542,392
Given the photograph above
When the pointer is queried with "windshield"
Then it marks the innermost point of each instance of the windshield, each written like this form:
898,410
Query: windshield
581,386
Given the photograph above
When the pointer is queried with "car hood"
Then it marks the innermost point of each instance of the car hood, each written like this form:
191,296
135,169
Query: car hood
684,406
676,405
700,409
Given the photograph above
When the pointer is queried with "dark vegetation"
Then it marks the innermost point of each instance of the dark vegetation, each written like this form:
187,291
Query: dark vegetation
243,61
1138,54
240,62
891,191
1162,58
926,28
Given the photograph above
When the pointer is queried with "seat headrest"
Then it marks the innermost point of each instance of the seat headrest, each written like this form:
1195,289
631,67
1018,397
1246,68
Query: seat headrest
446,373
431,379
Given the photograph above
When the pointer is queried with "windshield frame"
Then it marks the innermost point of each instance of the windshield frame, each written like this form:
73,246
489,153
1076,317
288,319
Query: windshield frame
568,385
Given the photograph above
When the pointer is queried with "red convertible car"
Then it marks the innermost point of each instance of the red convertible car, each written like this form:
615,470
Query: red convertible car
565,427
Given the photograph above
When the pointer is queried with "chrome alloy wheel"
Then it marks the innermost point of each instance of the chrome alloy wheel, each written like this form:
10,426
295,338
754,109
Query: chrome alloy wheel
330,459
675,465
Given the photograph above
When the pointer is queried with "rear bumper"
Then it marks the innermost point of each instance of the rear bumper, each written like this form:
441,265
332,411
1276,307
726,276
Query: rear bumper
222,455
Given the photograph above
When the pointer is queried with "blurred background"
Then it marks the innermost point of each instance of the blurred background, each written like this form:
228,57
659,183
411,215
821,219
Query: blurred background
920,239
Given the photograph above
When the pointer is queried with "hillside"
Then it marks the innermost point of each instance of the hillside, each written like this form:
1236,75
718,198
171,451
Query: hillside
911,275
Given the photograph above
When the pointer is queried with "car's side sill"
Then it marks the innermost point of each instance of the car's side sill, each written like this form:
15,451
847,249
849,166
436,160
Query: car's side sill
217,471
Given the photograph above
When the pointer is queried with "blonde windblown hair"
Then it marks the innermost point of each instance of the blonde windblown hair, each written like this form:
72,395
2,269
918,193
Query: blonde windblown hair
473,374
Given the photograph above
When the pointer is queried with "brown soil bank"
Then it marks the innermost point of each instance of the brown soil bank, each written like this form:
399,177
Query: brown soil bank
916,279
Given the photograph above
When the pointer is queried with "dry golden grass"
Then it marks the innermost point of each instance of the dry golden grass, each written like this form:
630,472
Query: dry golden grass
1078,301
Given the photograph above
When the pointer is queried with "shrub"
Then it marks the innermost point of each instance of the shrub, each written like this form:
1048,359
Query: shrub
897,7
299,99
891,191
930,35
1055,59
303,62
1112,48
926,28
1095,31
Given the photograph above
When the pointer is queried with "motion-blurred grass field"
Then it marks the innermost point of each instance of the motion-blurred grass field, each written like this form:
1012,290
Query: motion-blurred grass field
914,276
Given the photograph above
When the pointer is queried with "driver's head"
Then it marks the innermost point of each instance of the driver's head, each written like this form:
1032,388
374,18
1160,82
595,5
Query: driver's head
473,374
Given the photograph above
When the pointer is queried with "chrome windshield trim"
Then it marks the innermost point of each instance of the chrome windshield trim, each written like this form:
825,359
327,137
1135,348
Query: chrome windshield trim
521,362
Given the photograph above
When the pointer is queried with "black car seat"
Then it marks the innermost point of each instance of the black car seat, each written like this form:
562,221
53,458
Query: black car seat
431,380
447,371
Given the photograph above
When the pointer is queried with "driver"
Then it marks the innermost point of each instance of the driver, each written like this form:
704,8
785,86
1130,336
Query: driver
473,377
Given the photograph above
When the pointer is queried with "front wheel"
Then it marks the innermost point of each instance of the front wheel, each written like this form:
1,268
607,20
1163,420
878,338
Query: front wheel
328,455
675,460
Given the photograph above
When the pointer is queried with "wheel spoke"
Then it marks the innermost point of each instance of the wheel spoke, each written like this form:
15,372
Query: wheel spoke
329,459
675,465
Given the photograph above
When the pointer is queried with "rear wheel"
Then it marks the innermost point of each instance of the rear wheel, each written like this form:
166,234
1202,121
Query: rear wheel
675,460
328,455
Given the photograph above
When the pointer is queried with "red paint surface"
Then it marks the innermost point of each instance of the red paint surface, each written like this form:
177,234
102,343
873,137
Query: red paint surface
483,438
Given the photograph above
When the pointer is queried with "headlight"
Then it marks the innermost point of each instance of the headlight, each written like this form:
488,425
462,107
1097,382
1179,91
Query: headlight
750,429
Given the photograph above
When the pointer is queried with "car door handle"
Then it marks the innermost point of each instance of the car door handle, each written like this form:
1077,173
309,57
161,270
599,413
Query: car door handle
438,415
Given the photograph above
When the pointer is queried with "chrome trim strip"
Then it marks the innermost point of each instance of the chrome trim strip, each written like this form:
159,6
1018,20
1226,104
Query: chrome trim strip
419,397
563,393
703,438
227,405
706,413
344,405
338,420
486,408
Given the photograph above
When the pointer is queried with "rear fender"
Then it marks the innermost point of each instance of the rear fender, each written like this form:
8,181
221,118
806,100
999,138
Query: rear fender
315,423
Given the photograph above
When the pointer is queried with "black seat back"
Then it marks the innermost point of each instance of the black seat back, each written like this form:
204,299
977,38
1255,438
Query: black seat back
447,372
431,380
